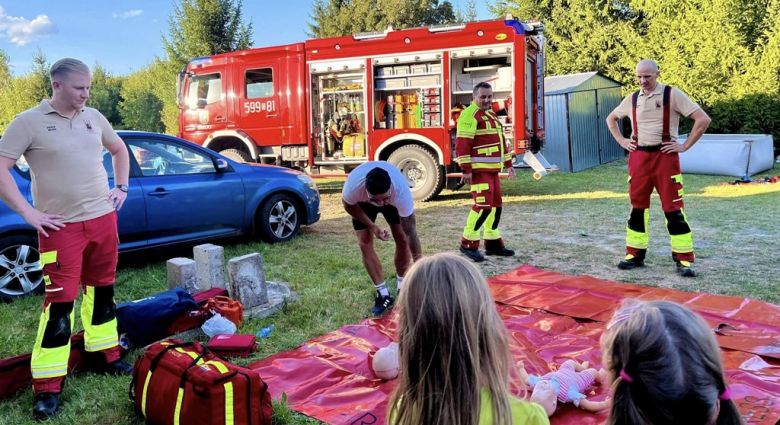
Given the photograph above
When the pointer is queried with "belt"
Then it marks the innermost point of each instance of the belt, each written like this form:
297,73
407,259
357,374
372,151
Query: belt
655,148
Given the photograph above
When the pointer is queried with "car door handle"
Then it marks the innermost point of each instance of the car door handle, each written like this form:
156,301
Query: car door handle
219,119
272,116
159,192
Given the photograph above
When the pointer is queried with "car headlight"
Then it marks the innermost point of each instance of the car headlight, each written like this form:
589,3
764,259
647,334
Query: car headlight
308,181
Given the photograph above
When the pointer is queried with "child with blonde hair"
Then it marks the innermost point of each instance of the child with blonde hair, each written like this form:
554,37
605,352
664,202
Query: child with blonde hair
666,368
454,352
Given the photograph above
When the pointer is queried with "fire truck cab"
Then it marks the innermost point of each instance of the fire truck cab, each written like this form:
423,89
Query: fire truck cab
328,105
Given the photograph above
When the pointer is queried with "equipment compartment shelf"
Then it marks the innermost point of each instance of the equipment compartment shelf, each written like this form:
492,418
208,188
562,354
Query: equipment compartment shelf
387,77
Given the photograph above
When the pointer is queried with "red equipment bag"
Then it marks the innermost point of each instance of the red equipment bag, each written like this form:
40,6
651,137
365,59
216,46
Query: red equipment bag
177,382
229,309
232,345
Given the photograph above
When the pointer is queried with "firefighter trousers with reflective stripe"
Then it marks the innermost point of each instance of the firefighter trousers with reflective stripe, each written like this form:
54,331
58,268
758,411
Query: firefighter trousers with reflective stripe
80,255
660,171
485,213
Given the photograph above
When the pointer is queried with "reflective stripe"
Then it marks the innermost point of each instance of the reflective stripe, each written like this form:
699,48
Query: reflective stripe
177,411
49,371
680,192
490,234
468,232
92,347
682,243
465,134
47,280
497,166
486,160
229,403
54,290
488,151
479,187
48,258
677,178
464,160
143,395
480,199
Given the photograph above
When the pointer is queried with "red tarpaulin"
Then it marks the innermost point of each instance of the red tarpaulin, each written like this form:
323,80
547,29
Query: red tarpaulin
551,318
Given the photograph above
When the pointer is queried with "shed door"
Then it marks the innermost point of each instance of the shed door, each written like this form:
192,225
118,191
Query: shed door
584,130
608,100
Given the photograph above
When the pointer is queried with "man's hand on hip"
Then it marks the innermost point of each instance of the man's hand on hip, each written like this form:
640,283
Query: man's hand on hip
383,235
672,146
627,144
117,198
41,220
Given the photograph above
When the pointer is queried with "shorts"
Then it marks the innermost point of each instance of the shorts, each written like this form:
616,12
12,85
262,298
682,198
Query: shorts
389,212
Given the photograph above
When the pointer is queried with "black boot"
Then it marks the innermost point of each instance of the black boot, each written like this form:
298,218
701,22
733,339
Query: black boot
496,247
115,368
474,254
46,406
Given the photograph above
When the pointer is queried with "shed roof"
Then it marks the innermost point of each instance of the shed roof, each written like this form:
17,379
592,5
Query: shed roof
561,84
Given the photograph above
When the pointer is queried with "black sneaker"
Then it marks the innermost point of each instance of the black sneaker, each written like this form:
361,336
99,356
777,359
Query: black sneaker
630,262
684,269
474,254
46,406
503,252
382,303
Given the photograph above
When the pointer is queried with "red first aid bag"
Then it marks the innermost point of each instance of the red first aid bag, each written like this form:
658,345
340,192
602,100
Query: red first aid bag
233,345
177,382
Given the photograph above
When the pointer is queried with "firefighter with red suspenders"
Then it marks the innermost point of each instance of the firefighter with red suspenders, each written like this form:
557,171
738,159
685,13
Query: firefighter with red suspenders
482,153
654,162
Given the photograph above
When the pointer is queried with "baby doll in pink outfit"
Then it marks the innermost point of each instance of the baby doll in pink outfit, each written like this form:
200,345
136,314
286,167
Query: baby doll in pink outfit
568,384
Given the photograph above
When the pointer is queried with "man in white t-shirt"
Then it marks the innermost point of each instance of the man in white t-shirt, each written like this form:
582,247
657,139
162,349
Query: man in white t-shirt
373,188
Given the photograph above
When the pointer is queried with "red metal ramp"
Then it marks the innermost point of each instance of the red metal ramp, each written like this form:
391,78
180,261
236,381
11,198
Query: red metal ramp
551,317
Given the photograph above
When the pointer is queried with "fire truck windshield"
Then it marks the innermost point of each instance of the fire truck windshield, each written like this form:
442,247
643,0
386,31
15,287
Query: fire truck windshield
197,91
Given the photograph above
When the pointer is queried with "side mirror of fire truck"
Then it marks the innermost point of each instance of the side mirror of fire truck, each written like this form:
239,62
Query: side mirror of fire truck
201,103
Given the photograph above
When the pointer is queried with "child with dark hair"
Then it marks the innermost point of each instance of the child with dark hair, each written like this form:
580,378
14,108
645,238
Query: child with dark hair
455,363
666,368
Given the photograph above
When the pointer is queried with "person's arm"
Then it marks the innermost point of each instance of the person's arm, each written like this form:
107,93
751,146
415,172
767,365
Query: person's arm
409,224
358,214
595,406
10,195
464,140
121,160
701,122
612,123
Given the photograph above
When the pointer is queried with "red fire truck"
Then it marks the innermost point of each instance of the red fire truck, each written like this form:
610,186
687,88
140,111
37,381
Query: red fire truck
328,105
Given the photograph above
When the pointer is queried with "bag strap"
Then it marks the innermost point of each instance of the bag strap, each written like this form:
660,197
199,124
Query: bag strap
665,136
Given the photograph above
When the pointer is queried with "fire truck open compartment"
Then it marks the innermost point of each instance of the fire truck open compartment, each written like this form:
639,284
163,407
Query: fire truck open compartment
339,111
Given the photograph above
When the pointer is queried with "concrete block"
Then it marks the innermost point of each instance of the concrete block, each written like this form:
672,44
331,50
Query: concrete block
210,264
247,280
181,273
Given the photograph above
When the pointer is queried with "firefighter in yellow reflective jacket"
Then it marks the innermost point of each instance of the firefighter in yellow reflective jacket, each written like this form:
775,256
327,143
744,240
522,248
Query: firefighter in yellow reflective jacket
482,152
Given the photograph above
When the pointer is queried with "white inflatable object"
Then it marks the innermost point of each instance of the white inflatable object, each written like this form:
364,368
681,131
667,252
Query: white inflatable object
386,362
728,154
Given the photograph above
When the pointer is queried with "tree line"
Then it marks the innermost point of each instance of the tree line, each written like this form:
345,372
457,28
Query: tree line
724,53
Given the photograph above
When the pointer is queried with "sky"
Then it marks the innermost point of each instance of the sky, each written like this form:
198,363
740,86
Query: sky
123,36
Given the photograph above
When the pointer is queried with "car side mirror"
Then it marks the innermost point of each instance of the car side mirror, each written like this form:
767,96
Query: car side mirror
221,165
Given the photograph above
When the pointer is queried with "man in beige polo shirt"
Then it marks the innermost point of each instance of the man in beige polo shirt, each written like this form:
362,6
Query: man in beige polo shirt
654,163
75,215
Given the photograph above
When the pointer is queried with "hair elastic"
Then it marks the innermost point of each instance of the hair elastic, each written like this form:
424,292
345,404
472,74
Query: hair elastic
626,377
725,395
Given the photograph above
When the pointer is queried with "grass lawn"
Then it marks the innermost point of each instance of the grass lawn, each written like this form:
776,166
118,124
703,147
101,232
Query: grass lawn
570,223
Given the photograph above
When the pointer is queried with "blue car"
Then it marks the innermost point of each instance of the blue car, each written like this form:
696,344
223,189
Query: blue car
179,193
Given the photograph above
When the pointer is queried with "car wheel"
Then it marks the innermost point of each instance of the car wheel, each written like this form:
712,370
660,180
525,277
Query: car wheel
20,271
419,166
278,219
236,155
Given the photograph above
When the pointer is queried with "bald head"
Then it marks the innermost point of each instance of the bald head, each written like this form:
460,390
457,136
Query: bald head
647,75
647,65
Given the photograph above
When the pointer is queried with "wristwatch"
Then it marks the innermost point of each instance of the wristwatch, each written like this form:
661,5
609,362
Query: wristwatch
122,187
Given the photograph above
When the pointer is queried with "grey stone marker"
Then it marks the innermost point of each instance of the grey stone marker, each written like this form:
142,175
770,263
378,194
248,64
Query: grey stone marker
181,272
210,265
247,280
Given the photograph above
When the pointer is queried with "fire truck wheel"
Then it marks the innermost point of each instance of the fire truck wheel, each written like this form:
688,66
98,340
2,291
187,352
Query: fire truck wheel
236,155
419,166
278,219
